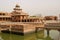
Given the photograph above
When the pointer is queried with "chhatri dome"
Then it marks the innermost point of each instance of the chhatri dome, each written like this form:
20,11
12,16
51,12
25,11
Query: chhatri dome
18,15
18,11
17,7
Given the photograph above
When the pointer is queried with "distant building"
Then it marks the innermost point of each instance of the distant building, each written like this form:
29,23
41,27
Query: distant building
50,18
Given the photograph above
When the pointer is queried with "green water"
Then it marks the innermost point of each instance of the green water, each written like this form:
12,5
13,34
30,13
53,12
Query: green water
41,35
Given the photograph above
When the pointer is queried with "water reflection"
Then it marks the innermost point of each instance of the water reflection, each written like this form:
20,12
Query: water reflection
40,35
59,36
32,36
1,38
48,38
11,37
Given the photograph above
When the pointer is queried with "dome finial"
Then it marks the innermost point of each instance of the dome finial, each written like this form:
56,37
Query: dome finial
17,5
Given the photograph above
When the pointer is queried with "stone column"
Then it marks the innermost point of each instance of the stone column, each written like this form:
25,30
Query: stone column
21,18
10,28
0,28
2,19
59,35
37,20
36,29
5,19
48,32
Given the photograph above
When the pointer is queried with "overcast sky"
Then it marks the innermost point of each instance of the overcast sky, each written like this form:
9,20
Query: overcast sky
33,7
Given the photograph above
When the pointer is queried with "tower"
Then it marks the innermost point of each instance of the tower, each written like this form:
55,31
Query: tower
18,15
17,8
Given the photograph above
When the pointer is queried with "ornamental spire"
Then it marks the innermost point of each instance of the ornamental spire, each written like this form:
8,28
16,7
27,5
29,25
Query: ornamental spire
17,7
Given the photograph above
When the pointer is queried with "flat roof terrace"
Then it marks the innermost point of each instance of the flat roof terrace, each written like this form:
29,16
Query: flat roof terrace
18,23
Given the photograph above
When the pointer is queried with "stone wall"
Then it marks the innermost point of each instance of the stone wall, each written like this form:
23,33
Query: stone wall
32,27
23,27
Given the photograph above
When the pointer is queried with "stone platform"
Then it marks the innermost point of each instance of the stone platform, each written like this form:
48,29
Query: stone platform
20,27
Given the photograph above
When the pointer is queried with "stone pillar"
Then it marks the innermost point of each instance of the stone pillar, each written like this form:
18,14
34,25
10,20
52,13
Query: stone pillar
32,20
37,20
48,32
10,28
5,19
36,29
59,35
21,18
2,19
0,29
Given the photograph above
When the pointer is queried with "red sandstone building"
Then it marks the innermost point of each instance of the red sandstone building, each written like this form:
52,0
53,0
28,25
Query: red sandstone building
17,15
19,21
50,18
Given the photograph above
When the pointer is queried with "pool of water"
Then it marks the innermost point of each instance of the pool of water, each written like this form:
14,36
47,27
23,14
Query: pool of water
41,35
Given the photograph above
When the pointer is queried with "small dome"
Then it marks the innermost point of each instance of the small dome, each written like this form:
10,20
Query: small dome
17,5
